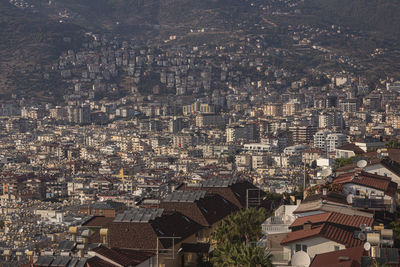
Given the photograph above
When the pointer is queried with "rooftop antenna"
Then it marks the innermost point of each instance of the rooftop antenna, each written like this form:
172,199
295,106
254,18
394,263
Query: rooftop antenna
326,172
367,246
349,199
300,258
363,227
361,236
362,164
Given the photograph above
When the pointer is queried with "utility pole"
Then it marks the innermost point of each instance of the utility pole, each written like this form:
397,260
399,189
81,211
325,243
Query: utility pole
157,253
172,250
304,179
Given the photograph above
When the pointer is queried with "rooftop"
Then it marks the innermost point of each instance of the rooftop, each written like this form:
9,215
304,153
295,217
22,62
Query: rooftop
139,215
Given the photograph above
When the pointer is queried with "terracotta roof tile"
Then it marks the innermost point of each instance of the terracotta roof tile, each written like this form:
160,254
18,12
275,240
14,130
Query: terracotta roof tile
369,180
329,231
336,218
336,258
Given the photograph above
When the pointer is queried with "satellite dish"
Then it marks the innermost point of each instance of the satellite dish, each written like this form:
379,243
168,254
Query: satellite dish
326,172
367,246
300,258
329,179
361,236
363,226
362,163
349,199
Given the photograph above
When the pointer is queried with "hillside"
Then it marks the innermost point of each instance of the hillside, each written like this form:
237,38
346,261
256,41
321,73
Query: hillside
28,46
380,17
144,17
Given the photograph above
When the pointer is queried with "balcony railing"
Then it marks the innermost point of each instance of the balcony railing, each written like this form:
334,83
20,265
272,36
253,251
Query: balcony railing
279,256
275,228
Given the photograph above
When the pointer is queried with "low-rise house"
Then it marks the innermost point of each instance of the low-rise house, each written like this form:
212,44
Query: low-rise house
324,232
368,190
348,151
152,230
205,209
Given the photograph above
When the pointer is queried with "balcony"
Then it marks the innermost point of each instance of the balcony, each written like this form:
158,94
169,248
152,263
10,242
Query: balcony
372,203
280,257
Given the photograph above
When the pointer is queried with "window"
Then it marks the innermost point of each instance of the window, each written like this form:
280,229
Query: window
298,247
336,248
304,248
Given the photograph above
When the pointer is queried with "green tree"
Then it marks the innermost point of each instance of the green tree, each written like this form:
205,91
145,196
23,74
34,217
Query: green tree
396,232
392,144
253,256
241,227
342,162
235,238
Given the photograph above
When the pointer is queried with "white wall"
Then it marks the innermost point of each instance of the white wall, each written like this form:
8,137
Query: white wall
381,170
316,245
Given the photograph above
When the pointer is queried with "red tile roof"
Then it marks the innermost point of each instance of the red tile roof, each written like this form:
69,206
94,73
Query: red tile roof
318,218
329,231
338,258
369,180
334,218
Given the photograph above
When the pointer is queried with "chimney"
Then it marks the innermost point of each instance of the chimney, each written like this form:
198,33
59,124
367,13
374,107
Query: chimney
80,248
103,235
298,202
7,254
73,230
29,255
343,258
19,255
307,226
324,191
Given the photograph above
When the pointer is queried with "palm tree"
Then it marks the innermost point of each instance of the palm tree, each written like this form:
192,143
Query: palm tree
253,256
233,239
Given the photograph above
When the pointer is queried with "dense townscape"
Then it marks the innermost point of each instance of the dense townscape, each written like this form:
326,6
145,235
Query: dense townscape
252,150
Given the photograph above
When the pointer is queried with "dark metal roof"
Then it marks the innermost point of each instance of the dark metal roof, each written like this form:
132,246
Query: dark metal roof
61,261
66,245
139,215
219,182
44,261
184,196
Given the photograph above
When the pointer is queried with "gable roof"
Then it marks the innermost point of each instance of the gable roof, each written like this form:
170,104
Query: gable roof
351,147
391,165
98,221
329,231
231,189
370,180
353,221
331,196
206,211
338,258
121,256
143,235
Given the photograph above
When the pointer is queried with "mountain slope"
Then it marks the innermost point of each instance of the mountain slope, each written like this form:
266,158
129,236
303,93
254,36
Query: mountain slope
28,46
378,16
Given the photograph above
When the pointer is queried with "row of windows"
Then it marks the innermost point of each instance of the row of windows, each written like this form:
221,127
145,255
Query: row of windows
300,247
